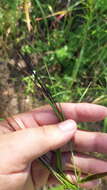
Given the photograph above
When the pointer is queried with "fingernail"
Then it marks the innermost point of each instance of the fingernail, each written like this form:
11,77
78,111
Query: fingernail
67,126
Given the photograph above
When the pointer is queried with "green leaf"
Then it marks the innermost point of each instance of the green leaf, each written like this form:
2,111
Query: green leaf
93,177
62,53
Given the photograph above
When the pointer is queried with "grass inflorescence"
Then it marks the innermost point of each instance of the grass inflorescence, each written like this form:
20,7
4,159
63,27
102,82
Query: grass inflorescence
37,80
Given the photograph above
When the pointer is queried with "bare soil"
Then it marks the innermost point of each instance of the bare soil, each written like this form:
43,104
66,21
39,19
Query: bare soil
12,91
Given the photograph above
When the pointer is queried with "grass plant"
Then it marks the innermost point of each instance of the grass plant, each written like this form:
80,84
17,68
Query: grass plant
37,80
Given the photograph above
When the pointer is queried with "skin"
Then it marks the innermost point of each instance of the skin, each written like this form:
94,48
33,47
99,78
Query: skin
40,133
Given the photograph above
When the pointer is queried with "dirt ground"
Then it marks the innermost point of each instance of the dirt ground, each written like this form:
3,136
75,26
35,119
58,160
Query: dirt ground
12,96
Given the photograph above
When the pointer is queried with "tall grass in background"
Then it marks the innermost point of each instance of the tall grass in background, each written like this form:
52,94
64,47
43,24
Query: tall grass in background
70,37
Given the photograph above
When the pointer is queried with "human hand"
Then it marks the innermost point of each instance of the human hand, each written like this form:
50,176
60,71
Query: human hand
19,149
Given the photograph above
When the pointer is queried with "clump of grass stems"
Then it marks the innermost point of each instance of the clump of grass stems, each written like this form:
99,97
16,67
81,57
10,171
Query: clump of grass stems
57,172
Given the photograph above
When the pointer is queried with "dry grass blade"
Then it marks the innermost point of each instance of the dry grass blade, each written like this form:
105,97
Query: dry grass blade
26,7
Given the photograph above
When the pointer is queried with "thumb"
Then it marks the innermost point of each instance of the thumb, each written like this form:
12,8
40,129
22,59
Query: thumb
28,144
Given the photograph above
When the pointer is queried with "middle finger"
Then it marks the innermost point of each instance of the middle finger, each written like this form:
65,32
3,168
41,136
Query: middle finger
83,162
85,141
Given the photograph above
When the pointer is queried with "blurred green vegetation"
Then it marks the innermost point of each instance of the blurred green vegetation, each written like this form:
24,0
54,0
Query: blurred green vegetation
68,36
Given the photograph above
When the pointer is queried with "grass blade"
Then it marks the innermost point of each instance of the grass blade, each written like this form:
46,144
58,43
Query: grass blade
61,177
93,177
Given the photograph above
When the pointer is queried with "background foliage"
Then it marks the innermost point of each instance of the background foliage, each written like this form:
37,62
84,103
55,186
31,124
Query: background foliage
68,37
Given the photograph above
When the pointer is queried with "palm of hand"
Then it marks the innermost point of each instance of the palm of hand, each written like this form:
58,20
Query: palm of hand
16,176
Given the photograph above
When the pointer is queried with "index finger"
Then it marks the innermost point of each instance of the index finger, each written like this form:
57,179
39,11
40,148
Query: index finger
80,112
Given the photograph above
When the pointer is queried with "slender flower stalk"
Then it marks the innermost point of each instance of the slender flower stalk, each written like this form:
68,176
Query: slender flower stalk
56,107
36,78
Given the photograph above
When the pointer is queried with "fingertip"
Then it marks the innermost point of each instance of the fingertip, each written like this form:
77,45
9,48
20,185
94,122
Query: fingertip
68,126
